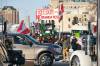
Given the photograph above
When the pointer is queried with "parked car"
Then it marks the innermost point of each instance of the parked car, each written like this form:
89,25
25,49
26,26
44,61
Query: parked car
41,54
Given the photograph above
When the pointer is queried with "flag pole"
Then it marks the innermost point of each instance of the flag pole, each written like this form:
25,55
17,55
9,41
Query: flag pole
29,21
61,11
62,26
62,20
59,33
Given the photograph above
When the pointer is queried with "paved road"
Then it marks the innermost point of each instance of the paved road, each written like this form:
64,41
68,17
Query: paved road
59,63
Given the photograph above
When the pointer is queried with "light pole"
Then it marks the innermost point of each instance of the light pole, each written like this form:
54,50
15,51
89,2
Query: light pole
62,25
98,38
59,33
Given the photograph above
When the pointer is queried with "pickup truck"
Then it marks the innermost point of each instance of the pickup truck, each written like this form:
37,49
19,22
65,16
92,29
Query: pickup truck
42,54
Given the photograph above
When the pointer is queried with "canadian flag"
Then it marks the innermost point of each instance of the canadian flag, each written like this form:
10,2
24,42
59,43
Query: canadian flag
61,11
23,29
94,28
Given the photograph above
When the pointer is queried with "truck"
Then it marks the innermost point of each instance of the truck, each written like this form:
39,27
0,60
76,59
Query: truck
17,48
87,56
31,49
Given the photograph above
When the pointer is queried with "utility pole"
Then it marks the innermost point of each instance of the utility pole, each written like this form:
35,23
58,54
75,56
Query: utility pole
61,11
62,27
98,30
59,32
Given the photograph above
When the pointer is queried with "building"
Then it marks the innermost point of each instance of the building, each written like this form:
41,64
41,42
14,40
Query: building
10,14
84,10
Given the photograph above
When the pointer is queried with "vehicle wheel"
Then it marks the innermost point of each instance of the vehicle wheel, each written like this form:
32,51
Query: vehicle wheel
75,61
45,59
1,64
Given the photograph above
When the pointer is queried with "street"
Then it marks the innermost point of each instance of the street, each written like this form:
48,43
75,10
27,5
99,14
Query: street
58,63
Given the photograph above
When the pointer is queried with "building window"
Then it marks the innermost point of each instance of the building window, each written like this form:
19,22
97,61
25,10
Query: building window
84,15
76,0
67,0
85,19
69,19
60,0
83,0
75,7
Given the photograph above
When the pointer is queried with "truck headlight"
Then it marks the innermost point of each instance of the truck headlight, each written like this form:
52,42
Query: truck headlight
57,50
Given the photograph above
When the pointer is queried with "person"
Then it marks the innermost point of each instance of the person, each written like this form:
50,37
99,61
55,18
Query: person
8,43
45,39
74,43
66,46
38,39
41,39
80,44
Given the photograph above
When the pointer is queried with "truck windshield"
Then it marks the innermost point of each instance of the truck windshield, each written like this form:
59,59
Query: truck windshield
82,32
32,39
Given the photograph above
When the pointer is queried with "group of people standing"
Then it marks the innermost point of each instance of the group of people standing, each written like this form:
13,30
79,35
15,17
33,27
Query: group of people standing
67,43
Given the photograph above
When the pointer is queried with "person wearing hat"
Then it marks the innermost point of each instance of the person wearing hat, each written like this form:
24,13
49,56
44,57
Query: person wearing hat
66,46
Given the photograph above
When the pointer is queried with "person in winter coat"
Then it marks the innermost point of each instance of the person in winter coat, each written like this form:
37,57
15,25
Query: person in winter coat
74,43
66,46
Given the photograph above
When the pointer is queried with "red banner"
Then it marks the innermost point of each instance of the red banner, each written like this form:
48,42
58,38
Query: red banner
47,14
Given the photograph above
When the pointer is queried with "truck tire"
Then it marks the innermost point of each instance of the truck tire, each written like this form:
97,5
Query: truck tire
45,59
75,61
83,60
1,64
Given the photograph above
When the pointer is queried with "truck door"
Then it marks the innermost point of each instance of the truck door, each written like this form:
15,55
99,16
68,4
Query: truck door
24,44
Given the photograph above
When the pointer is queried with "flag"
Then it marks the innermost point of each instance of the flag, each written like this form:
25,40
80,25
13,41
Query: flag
23,29
61,10
95,29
